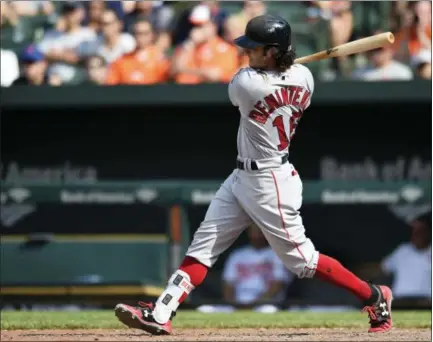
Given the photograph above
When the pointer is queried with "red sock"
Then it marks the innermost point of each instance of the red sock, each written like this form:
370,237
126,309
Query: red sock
196,271
331,271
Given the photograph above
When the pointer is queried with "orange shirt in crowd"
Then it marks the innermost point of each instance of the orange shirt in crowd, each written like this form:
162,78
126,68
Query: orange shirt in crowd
411,36
139,67
215,53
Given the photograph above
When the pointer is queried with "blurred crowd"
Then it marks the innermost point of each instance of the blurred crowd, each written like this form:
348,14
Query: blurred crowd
148,42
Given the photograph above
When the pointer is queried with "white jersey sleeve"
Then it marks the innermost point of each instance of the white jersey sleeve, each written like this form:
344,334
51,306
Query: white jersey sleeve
235,87
245,88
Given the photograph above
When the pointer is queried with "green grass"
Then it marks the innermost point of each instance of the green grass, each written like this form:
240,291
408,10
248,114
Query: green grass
191,319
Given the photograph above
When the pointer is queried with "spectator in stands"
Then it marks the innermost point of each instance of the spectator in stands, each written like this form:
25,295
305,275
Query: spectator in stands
146,65
232,29
383,67
253,278
236,23
410,263
254,275
96,68
8,16
184,26
421,62
32,8
400,15
112,43
10,69
35,69
204,57
219,15
95,8
160,15
371,16
339,17
128,7
63,49
414,39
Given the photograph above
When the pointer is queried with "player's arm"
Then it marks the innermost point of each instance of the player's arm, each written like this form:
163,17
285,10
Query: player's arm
243,87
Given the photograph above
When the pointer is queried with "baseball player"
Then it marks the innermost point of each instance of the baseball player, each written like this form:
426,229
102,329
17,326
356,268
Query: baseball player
272,95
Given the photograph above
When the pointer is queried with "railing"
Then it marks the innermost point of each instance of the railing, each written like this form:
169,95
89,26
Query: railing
341,92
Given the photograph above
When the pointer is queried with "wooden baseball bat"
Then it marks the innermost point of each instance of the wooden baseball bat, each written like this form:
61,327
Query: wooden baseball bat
356,46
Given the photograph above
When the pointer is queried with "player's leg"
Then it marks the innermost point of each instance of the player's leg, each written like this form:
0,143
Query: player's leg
281,223
225,220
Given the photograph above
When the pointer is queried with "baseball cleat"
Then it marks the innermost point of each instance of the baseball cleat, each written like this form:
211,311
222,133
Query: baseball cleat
141,317
380,312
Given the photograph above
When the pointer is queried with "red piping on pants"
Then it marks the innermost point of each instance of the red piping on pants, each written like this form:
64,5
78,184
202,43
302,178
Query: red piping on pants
283,225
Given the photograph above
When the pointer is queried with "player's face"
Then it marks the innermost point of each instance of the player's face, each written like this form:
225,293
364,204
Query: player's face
256,57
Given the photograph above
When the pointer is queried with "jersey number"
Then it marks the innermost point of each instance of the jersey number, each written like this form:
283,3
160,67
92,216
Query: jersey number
279,124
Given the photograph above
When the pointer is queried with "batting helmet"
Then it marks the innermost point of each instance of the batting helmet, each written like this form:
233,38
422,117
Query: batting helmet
266,30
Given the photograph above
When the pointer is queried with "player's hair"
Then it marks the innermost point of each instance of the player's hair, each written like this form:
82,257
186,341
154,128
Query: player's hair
283,59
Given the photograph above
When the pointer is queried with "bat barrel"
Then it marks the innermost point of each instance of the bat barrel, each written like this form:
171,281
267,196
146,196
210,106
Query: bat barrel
350,48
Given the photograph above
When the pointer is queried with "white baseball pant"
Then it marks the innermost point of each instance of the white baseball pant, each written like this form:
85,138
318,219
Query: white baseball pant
271,198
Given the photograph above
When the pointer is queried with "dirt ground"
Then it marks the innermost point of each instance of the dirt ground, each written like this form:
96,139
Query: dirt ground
218,335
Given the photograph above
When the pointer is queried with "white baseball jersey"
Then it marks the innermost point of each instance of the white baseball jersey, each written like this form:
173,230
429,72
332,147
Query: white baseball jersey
271,105
250,271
